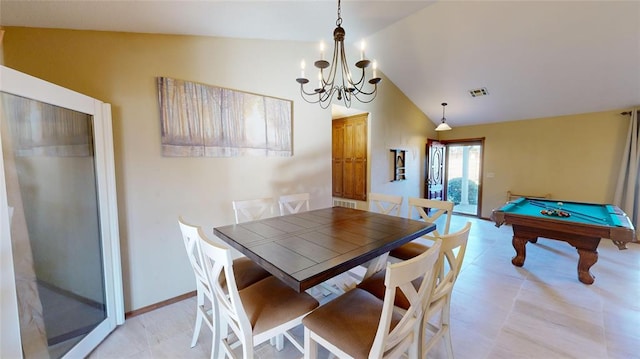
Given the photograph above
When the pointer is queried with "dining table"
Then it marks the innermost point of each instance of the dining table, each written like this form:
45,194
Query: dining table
307,248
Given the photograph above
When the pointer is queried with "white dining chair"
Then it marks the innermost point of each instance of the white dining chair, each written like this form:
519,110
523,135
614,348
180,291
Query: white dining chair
430,211
252,209
246,271
293,203
360,325
256,313
385,203
436,322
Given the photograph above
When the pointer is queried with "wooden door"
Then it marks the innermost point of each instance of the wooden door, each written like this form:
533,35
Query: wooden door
435,171
337,161
349,157
360,159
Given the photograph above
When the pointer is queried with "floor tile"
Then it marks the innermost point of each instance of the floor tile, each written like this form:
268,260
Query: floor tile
498,310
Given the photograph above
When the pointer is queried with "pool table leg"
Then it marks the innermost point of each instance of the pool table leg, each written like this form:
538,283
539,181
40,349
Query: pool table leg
587,259
519,244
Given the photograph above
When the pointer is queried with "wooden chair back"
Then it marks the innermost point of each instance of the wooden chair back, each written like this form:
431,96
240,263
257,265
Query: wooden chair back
293,203
385,203
424,206
399,277
252,209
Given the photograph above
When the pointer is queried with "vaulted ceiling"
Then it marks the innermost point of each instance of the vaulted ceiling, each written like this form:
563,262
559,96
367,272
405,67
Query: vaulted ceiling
535,58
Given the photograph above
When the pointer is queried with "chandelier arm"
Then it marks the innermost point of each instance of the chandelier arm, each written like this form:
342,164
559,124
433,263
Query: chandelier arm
333,69
365,93
302,90
351,82
347,99
305,96
361,81
373,93
346,73
358,86
328,97
323,96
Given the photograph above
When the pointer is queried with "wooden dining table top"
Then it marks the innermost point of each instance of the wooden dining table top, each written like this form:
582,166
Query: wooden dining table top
307,248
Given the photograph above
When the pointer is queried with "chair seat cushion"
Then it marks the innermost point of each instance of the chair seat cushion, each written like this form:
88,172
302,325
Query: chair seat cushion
375,285
247,272
270,303
409,250
349,322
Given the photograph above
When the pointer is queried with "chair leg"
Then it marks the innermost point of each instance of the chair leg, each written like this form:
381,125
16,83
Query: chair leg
448,345
444,322
199,317
218,328
196,330
310,346
416,345
279,342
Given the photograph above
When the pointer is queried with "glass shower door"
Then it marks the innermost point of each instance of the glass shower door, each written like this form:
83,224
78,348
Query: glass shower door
61,233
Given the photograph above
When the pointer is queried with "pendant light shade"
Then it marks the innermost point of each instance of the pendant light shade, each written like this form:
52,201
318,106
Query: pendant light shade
443,126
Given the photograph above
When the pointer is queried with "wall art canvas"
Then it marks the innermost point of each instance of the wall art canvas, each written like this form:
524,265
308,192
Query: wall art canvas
199,120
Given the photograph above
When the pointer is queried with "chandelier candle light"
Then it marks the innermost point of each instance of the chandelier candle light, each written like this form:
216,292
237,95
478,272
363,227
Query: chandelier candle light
347,88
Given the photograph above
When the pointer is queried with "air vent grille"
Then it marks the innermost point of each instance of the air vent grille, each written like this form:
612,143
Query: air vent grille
479,92
343,203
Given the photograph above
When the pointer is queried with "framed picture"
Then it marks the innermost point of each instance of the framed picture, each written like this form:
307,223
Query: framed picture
199,120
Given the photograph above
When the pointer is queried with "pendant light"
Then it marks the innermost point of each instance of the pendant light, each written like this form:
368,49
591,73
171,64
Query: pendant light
443,125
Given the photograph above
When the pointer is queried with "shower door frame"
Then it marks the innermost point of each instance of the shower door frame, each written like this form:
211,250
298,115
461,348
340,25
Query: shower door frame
20,84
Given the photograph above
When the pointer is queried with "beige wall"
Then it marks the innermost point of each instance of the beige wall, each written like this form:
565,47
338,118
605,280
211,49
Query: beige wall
120,68
571,157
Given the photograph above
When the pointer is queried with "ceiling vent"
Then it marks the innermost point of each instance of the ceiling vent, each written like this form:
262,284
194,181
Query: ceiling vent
479,92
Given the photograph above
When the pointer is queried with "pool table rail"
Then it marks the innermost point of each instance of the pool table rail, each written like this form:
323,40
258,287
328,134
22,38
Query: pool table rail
622,234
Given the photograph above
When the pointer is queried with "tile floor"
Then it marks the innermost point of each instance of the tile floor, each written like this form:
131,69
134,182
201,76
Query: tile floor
499,311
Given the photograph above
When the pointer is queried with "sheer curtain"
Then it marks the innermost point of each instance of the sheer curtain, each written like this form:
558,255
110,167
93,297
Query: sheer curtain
627,195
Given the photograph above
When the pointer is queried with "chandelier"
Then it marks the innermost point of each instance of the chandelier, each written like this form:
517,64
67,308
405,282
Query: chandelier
346,88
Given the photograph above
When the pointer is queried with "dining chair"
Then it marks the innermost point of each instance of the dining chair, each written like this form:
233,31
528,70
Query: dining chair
360,325
293,203
385,203
256,313
252,209
436,320
245,270
430,211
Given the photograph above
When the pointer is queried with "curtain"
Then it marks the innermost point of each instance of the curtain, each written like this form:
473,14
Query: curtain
627,195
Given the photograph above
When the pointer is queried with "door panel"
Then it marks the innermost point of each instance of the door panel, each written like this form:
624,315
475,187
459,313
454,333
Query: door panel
464,175
435,179
58,175
454,173
349,149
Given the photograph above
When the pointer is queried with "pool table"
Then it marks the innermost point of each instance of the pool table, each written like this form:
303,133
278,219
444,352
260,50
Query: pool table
582,225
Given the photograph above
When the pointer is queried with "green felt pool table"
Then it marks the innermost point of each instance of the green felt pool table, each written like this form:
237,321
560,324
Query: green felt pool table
580,224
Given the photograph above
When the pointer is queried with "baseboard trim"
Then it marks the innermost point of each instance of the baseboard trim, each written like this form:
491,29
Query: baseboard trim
155,306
